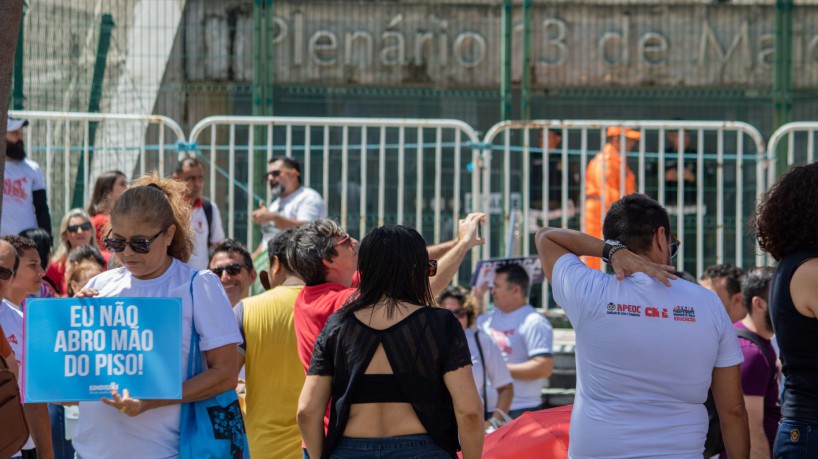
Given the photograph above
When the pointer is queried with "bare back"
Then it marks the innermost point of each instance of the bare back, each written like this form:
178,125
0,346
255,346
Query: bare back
369,420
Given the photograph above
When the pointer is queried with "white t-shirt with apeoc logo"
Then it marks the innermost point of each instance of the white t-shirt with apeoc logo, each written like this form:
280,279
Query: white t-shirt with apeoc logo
645,356
22,178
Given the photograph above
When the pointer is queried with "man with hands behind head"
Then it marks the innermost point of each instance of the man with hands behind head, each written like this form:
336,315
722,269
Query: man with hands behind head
649,345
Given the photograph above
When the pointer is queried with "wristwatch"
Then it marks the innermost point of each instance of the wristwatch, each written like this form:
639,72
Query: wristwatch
611,247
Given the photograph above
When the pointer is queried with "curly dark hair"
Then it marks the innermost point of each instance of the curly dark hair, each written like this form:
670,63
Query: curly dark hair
785,221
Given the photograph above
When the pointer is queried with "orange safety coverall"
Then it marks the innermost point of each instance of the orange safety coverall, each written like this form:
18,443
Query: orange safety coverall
609,160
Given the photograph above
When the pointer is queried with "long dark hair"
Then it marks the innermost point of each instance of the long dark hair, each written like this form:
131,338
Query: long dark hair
102,188
394,267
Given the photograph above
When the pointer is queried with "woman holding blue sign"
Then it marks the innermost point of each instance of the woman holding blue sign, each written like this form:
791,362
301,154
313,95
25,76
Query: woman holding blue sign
151,238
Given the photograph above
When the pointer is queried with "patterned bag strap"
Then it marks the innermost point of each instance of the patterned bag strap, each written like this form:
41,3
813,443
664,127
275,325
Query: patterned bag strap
194,360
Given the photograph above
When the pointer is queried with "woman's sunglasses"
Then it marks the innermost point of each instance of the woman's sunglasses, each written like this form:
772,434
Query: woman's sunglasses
432,268
232,269
137,245
82,226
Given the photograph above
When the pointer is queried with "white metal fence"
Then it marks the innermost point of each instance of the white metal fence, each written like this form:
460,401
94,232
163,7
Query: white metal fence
429,173
725,161
66,143
369,171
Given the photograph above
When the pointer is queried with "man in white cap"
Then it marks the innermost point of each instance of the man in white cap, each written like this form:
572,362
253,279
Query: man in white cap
24,200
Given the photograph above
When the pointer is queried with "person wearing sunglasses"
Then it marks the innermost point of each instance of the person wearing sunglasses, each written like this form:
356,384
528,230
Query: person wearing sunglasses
489,370
396,369
231,262
76,230
648,344
151,238
293,204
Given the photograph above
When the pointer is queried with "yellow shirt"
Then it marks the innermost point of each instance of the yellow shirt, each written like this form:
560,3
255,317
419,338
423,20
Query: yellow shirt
273,373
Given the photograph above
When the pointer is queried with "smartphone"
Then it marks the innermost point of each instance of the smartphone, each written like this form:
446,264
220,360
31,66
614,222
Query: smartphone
479,230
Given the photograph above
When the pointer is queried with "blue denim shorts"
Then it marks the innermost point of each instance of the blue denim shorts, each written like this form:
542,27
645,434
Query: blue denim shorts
796,440
401,447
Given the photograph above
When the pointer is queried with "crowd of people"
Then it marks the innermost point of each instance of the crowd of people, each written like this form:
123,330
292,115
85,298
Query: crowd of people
364,348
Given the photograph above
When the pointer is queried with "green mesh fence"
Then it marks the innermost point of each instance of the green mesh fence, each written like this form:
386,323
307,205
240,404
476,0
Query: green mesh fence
188,59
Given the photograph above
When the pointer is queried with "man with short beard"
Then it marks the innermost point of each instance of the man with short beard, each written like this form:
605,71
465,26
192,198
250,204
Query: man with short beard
24,201
293,204
759,371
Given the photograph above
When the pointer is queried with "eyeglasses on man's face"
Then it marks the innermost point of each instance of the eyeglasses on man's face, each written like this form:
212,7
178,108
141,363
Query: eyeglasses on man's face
674,245
232,269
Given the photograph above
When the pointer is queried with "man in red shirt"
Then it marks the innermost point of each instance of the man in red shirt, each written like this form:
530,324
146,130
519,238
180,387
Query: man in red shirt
326,258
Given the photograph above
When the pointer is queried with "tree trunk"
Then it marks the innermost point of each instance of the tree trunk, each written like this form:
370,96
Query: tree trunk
10,13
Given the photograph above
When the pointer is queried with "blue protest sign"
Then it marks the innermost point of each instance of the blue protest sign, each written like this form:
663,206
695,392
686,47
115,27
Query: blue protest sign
80,348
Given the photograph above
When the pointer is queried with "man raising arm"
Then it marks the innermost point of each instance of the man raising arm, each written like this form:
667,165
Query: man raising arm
678,337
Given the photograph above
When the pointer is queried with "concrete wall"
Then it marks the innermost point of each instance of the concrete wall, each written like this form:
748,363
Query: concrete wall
457,44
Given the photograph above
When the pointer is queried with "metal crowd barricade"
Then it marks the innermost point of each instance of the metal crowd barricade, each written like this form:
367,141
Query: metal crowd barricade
797,141
728,157
405,171
64,142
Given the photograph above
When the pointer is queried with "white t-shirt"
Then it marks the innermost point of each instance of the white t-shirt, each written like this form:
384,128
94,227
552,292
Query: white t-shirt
496,369
103,431
520,334
22,178
304,204
11,319
201,246
645,356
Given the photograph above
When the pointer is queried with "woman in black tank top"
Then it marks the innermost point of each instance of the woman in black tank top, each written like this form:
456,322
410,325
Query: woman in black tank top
397,370
786,224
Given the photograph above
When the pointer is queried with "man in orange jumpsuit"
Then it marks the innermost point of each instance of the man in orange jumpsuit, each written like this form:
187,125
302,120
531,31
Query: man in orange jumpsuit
602,181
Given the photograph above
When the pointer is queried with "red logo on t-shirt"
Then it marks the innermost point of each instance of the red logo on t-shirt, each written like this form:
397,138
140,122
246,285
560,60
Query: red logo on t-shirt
501,338
15,188
12,338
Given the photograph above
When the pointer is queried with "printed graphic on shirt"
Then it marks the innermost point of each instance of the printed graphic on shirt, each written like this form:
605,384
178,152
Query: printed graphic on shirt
501,338
684,314
631,310
656,312
15,188
634,310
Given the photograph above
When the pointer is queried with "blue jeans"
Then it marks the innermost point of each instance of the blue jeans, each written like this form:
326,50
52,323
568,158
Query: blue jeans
401,447
514,414
63,449
796,440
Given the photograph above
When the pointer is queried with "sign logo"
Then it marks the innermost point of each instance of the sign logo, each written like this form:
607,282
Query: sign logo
684,314
630,310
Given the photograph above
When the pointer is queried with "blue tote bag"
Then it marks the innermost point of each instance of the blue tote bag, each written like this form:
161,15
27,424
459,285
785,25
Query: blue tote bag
211,428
